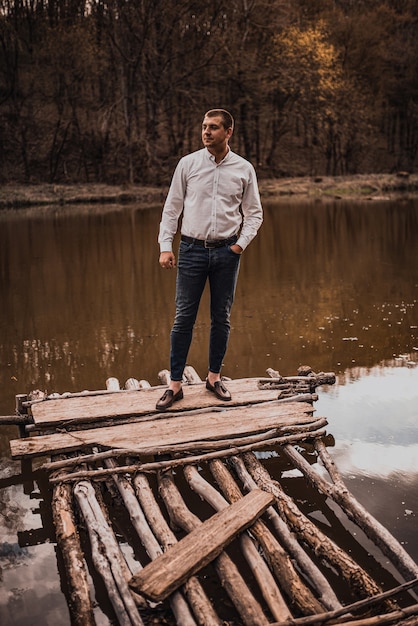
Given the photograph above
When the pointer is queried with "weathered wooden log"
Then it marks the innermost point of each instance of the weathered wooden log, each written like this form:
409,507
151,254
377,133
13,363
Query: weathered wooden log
85,458
200,547
255,560
21,410
132,384
324,590
79,601
285,388
106,556
20,403
274,373
161,465
164,377
125,404
83,423
360,605
398,618
36,394
178,604
113,390
112,384
358,580
142,404
297,593
191,375
247,606
323,378
15,420
201,605
148,540
174,449
68,394
303,397
354,510
282,384
136,514
218,444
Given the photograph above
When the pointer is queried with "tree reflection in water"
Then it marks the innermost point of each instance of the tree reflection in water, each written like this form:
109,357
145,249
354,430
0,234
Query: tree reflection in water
333,285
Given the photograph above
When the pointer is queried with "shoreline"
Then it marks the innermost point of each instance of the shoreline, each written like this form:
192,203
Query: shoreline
358,187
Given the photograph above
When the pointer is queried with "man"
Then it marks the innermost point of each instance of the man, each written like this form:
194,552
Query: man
216,192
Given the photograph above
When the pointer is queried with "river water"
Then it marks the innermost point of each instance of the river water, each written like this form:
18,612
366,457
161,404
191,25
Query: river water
333,285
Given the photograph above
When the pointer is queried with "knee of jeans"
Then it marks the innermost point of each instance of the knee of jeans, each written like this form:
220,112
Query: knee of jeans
221,318
184,322
222,313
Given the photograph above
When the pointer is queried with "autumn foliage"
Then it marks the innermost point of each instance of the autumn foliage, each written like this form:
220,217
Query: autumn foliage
114,91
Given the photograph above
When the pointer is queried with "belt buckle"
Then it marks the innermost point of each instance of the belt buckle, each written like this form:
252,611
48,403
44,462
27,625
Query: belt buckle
210,244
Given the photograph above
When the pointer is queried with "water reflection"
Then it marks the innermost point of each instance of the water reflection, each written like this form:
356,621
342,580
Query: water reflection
333,285
83,297
388,397
374,420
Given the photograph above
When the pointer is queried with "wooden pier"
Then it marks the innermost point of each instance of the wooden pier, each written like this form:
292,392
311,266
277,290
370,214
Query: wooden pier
178,511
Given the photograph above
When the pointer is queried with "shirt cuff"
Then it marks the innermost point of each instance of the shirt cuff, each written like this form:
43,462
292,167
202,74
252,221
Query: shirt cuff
166,246
242,243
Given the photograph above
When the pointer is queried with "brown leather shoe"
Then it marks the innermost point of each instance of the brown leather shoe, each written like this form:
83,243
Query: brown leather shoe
219,389
168,398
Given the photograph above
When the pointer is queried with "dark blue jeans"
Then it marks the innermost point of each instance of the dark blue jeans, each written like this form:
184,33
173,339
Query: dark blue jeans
196,265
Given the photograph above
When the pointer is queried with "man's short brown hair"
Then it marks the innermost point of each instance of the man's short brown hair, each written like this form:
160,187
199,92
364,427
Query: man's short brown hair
227,119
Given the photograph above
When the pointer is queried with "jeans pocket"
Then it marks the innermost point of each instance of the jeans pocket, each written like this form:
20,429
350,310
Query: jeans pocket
185,247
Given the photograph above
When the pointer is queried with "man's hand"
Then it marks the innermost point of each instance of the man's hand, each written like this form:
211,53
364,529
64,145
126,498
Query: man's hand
167,260
235,248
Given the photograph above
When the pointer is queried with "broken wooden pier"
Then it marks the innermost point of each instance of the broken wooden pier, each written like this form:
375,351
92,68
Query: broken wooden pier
189,511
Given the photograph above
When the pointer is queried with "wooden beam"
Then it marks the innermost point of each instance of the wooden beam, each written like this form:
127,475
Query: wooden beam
173,429
87,408
167,572
299,432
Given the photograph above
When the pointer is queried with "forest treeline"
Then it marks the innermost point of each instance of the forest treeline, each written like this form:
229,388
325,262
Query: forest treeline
114,91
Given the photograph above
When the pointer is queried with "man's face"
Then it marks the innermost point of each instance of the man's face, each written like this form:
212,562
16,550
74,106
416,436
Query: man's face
214,136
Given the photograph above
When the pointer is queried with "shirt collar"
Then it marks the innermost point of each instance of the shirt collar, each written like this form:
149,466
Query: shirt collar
212,158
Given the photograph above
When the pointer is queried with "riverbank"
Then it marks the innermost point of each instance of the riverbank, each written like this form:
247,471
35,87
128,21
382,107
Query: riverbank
362,186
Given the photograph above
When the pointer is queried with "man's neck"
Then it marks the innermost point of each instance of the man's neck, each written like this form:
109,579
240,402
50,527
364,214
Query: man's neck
219,156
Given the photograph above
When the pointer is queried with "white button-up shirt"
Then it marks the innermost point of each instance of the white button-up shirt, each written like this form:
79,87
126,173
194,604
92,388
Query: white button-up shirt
218,200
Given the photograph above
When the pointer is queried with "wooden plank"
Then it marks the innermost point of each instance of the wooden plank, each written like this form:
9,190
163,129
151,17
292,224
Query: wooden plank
172,430
168,571
58,411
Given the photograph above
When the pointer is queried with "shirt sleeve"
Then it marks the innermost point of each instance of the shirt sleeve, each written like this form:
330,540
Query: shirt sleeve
252,211
172,210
